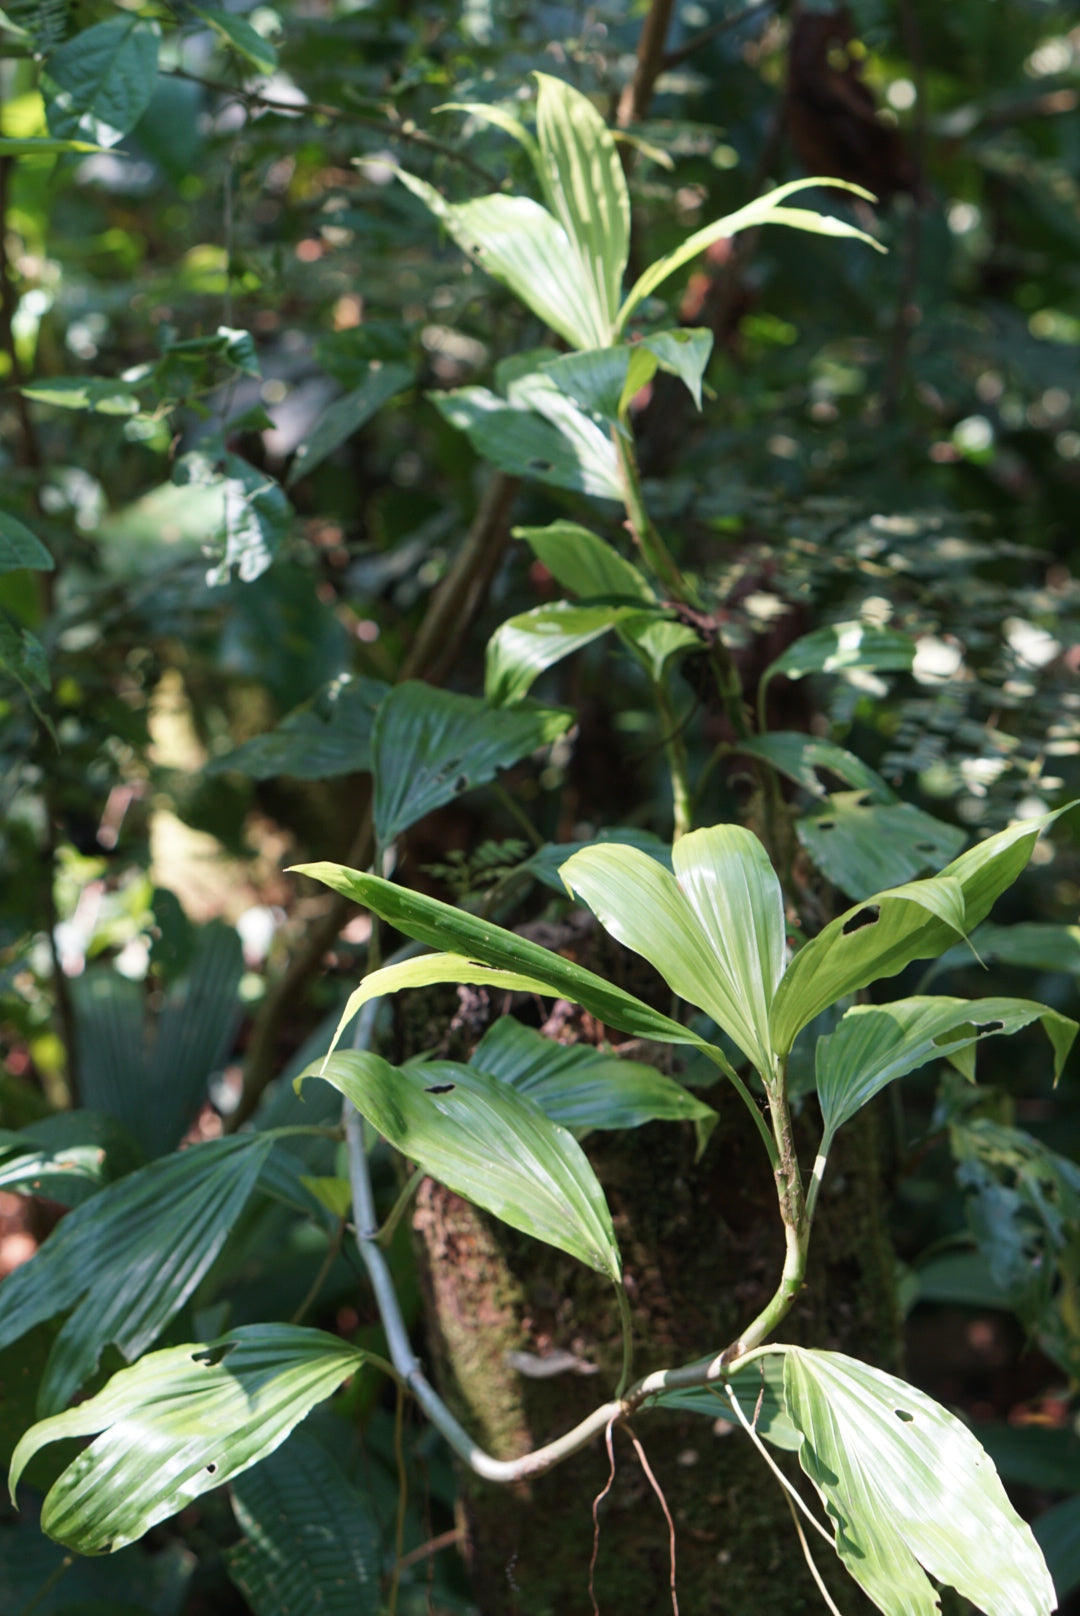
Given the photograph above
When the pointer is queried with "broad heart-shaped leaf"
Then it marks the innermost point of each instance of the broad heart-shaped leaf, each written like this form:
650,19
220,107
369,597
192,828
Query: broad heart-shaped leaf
441,926
244,39
585,564
580,1087
548,860
488,1143
714,930
347,415
845,646
430,745
859,844
521,442
875,1044
910,1491
21,548
309,1541
179,1423
524,646
326,736
586,190
129,1258
520,244
763,210
915,921
98,85
803,757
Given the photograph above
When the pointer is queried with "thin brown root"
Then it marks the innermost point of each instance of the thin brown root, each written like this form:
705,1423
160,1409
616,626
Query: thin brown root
658,1490
809,1558
597,1501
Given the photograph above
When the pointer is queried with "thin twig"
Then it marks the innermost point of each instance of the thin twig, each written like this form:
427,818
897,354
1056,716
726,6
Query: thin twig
634,102
773,1466
403,1499
333,1250
597,1501
809,1558
433,1546
675,58
659,1491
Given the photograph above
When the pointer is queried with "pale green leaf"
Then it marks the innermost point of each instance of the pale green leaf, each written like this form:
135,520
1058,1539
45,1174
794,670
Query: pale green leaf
524,646
714,930
488,1143
325,737
519,244
500,118
586,190
763,210
910,1492
43,145
257,520
104,397
178,1424
524,444
244,39
859,845
127,1260
760,1391
843,647
347,415
429,745
583,563
309,1544
100,82
21,548
803,758
875,1044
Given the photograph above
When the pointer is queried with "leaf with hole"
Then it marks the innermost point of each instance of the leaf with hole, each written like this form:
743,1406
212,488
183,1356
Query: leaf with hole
178,1424
571,452
488,1143
910,1492
860,845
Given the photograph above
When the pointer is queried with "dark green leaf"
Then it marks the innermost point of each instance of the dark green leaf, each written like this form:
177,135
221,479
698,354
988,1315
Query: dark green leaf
347,415
257,520
98,85
243,38
329,735
22,656
843,647
803,757
67,1157
547,861
1032,945
584,564
1057,1533
862,846
561,446
21,548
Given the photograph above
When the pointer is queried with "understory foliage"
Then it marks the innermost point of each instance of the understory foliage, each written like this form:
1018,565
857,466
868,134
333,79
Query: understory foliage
476,501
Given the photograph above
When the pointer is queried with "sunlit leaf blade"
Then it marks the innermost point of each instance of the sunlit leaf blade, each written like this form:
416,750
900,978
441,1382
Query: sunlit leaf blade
499,118
714,930
179,1423
244,39
520,244
580,1087
845,646
524,646
309,1542
443,927
127,1260
347,415
327,736
583,563
488,1143
875,1044
658,641
916,921
524,444
429,745
803,758
588,439
760,1391
683,352
586,190
593,379
257,520
103,396
98,85
763,210
859,845
19,547
910,1491
603,381
548,860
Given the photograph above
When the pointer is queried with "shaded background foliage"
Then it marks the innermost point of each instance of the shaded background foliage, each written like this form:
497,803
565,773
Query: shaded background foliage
219,336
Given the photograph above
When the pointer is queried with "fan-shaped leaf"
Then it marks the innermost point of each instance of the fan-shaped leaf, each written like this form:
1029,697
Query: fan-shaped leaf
859,844
488,1143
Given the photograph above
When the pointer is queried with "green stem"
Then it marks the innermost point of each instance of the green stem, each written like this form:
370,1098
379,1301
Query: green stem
518,814
747,1099
333,1250
648,540
627,1337
675,747
397,1211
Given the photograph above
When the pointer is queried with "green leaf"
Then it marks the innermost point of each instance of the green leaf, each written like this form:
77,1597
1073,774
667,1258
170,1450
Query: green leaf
1057,1533
763,210
98,85
714,930
842,647
67,1157
309,1541
546,863
256,516
764,1380
178,1424
873,1045
578,1086
95,393
43,145
488,112
520,245
325,737
428,746
583,563
801,757
603,381
524,646
441,926
656,640
23,657
910,1491
860,844
127,1260
593,379
1032,945
683,352
523,444
244,39
347,415
21,548
488,1143
910,922
586,190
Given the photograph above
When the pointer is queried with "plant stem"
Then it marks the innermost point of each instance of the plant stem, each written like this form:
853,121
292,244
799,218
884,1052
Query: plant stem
627,1337
675,747
400,1206
332,1250
519,816
655,552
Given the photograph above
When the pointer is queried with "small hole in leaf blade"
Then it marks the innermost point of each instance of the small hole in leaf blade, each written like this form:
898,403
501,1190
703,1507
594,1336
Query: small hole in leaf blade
864,917
441,1088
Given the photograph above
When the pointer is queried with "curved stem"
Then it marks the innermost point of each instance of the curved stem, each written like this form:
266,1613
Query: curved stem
653,549
675,747
627,1337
